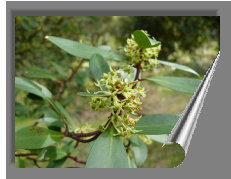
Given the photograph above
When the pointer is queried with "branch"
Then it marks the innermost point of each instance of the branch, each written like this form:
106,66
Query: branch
35,162
76,159
77,136
138,69
75,71
24,155
61,84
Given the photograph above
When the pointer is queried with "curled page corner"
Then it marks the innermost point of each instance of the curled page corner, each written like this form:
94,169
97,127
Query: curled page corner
184,128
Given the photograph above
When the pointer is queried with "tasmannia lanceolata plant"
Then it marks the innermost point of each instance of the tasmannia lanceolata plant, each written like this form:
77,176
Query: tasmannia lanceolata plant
122,138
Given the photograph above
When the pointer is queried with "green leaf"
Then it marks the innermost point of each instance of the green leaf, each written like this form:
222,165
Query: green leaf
58,68
159,138
140,150
185,85
108,151
143,40
52,122
21,163
98,66
54,153
85,94
178,66
81,50
130,76
65,113
70,147
32,87
56,163
35,72
157,124
105,47
35,137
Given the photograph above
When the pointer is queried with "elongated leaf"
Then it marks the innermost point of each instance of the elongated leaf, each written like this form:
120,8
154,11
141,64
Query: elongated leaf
32,87
107,152
91,94
140,150
52,122
178,66
81,50
65,113
35,137
54,153
36,72
57,163
185,85
105,47
130,76
59,69
157,124
159,138
143,40
98,66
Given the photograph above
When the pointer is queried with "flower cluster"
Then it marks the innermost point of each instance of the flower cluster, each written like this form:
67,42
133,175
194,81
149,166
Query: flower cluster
121,99
142,55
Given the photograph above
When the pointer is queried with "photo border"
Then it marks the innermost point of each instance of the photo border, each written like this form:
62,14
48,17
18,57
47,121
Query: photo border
192,165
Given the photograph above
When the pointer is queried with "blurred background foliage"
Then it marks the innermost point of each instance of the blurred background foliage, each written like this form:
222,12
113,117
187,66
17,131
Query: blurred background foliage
189,40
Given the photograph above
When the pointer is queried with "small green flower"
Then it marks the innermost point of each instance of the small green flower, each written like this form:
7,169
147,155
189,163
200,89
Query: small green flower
121,100
142,55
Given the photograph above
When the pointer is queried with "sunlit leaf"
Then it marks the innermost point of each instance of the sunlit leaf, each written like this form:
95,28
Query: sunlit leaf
98,66
35,137
159,138
53,153
81,50
143,40
178,66
107,152
157,124
140,149
35,72
32,87
181,84
64,113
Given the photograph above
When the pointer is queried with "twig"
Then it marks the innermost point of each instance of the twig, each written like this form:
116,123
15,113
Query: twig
24,155
77,136
75,71
76,159
35,162
88,134
61,84
138,69
59,90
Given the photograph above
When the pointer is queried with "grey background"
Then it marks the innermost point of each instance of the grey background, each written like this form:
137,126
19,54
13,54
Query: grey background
209,152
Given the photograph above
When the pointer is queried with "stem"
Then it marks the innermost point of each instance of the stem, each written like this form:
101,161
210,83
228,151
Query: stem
24,155
87,140
77,136
88,134
59,90
35,162
138,69
76,159
61,84
75,71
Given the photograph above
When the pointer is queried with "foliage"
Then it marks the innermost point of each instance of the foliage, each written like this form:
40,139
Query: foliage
119,141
